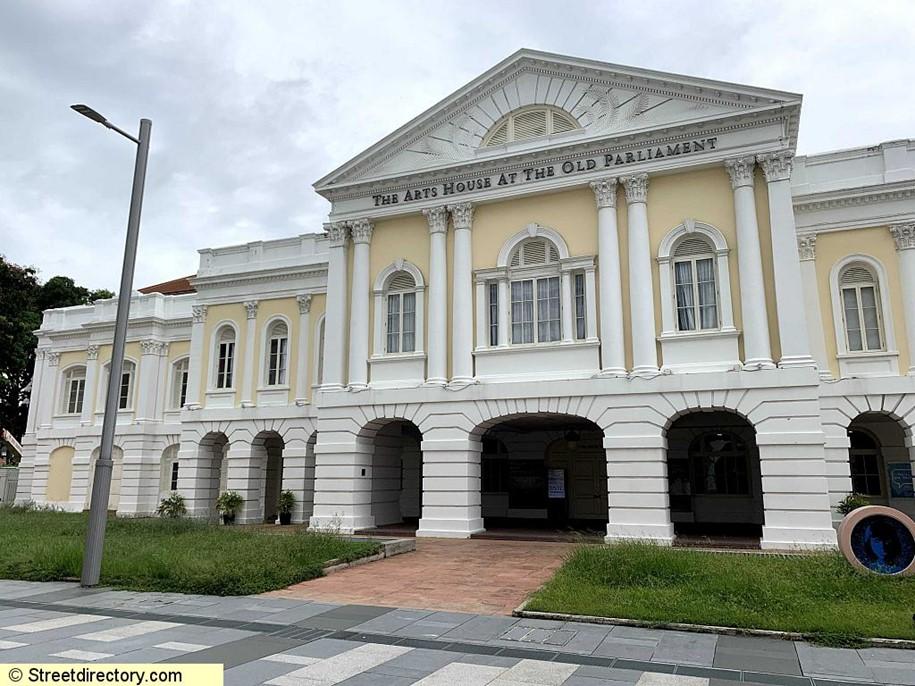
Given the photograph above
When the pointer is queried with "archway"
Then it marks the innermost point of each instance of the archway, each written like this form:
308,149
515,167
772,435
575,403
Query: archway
880,461
168,471
544,471
268,447
213,468
714,477
396,472
117,469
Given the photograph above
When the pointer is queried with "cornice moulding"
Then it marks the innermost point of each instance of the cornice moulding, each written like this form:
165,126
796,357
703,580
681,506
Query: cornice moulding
847,197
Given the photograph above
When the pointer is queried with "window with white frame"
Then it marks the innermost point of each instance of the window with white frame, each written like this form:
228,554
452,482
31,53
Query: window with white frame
179,383
695,285
74,390
168,480
125,387
400,313
581,328
492,289
860,297
534,293
277,355
225,358
529,122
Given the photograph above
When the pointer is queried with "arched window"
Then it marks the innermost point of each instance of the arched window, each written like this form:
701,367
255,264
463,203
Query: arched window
125,388
861,308
277,353
400,313
534,274
529,122
225,358
74,390
865,463
695,284
168,480
179,383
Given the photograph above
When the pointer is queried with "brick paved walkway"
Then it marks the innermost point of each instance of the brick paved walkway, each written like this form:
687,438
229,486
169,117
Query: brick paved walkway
488,577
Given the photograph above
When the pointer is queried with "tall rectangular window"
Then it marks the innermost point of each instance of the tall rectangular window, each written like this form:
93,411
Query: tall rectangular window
75,395
276,371
549,326
409,322
493,314
225,365
393,323
179,384
401,323
580,328
862,320
522,311
697,296
174,476
124,394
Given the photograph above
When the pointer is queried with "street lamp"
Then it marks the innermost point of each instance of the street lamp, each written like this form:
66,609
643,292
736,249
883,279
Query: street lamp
101,484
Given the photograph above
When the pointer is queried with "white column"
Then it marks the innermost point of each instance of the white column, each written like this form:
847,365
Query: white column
148,381
35,394
302,360
504,313
641,290
361,232
904,235
462,293
612,346
806,248
792,323
438,296
757,349
164,374
335,318
49,385
195,373
451,484
249,371
245,476
565,282
89,391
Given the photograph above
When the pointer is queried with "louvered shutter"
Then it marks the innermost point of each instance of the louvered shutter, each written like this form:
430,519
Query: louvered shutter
401,281
856,274
693,246
530,124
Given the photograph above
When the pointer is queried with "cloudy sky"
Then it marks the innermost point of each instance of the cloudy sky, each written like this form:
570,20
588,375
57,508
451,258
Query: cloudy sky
251,102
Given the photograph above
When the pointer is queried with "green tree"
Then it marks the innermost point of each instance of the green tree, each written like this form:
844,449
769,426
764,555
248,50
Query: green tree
22,300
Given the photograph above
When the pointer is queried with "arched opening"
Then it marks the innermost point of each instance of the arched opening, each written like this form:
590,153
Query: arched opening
544,472
880,461
268,447
714,478
213,468
168,471
60,474
396,473
117,469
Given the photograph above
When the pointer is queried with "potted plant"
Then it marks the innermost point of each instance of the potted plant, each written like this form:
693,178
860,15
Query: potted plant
287,502
228,504
852,502
172,507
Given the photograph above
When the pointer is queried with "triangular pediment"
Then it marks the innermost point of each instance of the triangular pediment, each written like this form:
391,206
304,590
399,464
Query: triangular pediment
604,100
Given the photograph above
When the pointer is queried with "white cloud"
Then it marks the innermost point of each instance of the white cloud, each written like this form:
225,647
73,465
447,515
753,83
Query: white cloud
252,102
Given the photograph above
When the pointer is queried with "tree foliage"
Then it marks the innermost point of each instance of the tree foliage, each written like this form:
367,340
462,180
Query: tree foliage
22,300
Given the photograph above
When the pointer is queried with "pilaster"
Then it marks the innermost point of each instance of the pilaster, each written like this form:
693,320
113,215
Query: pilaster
249,371
904,237
194,371
806,248
303,362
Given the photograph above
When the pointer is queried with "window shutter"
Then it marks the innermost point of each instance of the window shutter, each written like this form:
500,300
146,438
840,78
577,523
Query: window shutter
693,246
561,123
500,135
516,258
530,124
401,281
854,275
534,252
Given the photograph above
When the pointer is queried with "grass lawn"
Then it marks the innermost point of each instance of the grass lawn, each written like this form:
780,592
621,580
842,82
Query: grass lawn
184,555
816,594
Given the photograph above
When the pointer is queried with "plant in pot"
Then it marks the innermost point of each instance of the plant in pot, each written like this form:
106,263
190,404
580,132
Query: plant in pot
287,502
172,507
228,504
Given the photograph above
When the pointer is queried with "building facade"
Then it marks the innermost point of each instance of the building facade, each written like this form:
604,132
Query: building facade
571,293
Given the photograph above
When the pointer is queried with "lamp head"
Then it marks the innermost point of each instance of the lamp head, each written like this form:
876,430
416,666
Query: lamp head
87,111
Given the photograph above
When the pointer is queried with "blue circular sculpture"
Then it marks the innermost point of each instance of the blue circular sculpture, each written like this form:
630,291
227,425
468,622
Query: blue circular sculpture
879,539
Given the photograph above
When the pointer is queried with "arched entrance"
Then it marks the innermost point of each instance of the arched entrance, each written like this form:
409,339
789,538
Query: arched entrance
545,472
268,447
213,468
168,471
397,474
714,476
880,461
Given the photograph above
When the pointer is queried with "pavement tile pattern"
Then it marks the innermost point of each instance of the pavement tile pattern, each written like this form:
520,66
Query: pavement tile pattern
290,642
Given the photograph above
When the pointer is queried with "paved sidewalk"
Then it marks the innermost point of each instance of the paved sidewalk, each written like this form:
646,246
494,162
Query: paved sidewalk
283,641
492,577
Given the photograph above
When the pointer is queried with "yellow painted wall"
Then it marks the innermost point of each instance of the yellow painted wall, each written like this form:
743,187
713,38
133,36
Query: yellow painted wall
873,242
393,239
765,245
60,473
178,349
216,315
70,358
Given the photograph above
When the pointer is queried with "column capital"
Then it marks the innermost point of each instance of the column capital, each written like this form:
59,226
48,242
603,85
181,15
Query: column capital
741,169
251,308
437,218
636,188
151,347
53,357
361,230
462,215
336,233
605,192
776,165
304,301
904,236
199,313
92,352
806,246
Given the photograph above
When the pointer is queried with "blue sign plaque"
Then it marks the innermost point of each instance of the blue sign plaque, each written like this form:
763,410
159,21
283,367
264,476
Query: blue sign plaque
900,474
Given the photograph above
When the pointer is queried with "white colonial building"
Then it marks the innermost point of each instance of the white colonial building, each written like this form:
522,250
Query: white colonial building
570,294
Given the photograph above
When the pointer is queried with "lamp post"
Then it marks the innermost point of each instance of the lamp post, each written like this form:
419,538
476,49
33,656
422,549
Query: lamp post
101,484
